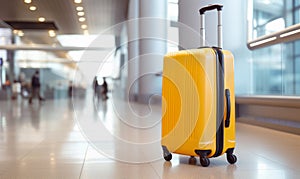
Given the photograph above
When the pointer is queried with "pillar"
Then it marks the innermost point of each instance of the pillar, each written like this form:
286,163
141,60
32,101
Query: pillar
11,61
132,45
152,47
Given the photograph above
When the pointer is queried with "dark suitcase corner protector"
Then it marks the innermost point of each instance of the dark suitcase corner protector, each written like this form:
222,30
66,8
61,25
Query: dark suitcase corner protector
230,150
165,150
203,153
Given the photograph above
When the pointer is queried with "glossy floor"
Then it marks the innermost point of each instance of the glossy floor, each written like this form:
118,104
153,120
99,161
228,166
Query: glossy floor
90,139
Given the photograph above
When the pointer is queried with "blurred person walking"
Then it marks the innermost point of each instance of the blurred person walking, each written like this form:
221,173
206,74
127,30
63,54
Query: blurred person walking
104,89
70,89
35,87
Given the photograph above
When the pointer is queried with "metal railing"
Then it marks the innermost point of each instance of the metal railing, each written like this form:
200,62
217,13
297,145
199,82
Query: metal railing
291,33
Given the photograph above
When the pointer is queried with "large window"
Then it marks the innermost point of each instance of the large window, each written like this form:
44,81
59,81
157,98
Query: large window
267,17
5,39
276,68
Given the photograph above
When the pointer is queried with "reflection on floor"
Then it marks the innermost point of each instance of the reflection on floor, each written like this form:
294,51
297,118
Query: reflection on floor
87,139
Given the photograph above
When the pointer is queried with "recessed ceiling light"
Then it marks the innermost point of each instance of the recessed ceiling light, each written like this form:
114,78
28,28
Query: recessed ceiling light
83,26
27,1
267,2
86,32
77,1
51,33
81,19
81,13
79,8
32,8
41,19
20,33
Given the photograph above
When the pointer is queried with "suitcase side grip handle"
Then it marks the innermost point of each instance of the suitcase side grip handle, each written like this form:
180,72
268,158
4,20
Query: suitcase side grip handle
210,7
228,107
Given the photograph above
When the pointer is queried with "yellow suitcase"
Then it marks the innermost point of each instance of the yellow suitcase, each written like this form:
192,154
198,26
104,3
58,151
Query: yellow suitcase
198,101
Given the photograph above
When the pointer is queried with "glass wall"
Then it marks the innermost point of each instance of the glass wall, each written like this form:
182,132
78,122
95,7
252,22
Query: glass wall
276,68
267,17
5,39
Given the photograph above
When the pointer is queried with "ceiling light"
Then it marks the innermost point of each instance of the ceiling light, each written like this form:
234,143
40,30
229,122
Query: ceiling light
20,33
83,26
81,19
86,32
15,31
79,8
32,8
77,1
81,13
267,2
41,19
27,1
51,33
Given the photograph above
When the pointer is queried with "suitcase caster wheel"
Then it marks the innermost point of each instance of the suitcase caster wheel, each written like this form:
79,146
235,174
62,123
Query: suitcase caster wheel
168,157
204,161
192,160
231,158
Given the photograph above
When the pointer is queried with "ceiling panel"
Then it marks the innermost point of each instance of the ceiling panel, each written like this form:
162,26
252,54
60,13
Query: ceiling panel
32,25
100,14
103,14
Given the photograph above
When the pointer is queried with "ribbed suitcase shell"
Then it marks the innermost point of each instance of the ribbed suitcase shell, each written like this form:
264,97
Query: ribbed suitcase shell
189,101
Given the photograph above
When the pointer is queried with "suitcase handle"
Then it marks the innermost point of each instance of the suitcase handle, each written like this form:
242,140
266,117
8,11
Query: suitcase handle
228,107
202,23
210,7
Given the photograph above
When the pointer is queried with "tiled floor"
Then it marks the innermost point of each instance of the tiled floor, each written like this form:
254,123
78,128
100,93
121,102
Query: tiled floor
86,139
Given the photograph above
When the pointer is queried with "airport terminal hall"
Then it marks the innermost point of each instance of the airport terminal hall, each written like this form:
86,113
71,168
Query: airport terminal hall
150,89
